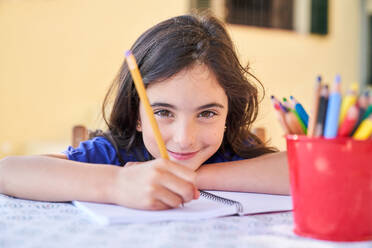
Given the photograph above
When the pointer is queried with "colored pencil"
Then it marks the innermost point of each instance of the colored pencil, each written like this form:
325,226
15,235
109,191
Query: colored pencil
332,115
314,110
300,111
292,121
349,121
367,112
369,108
322,110
286,103
280,115
363,105
367,103
333,110
364,131
347,101
295,114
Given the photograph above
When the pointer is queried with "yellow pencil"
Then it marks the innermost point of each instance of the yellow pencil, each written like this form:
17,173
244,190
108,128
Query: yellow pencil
349,100
364,130
134,71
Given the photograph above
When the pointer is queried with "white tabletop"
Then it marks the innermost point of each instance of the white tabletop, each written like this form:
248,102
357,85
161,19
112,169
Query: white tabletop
25,223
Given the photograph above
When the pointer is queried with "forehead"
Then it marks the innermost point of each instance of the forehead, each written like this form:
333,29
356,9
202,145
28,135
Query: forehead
194,85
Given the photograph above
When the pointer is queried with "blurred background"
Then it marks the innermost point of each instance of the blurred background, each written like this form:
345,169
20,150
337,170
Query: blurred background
58,57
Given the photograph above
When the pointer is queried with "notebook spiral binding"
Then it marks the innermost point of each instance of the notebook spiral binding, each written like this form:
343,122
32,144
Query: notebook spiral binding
238,205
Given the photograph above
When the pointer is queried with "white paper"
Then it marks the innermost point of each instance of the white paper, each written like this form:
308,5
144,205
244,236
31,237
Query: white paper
195,210
254,203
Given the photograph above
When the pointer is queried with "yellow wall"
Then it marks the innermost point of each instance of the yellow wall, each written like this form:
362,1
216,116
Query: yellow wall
58,57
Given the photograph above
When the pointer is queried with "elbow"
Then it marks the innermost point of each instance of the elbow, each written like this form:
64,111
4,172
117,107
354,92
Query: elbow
6,161
4,165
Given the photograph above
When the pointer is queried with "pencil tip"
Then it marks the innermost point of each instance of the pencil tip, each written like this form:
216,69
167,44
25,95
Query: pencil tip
291,97
319,79
284,108
272,97
284,99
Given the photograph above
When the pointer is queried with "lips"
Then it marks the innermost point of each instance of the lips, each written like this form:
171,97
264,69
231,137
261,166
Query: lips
182,155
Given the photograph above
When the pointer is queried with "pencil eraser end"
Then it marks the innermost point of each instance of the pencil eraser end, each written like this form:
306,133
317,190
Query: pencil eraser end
127,53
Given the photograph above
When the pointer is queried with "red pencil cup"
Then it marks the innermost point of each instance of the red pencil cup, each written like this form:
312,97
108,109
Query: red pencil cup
331,184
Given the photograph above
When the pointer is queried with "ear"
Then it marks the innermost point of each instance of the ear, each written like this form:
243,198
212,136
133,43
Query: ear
138,126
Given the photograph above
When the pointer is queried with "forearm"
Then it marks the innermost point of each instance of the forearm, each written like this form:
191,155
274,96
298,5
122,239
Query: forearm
53,179
264,174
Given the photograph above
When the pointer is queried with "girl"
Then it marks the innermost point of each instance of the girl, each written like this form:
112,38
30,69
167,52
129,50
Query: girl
204,105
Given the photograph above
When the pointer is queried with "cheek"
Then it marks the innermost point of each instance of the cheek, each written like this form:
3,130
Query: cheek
213,136
149,139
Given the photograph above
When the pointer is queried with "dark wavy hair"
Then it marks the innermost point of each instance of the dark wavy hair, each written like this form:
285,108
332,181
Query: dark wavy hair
170,47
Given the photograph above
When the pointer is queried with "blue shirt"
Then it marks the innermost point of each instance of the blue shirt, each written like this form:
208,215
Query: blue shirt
100,151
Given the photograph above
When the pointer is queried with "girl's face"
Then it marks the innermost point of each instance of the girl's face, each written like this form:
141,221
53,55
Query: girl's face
190,109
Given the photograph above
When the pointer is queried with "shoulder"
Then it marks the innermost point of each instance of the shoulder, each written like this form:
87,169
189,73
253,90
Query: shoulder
98,150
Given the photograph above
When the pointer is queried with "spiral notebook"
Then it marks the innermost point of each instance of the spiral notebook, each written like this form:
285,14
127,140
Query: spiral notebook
211,204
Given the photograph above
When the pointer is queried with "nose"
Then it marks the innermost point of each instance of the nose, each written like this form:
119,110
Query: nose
184,134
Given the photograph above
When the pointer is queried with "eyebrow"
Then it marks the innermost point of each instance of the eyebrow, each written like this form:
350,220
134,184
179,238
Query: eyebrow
205,106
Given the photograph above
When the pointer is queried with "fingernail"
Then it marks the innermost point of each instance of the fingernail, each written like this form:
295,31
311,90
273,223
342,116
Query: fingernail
196,194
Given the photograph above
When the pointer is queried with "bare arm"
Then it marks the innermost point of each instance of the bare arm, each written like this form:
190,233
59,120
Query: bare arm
264,174
156,184
48,178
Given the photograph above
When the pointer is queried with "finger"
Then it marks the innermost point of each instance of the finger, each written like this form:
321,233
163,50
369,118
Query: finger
168,198
180,171
186,174
177,185
158,205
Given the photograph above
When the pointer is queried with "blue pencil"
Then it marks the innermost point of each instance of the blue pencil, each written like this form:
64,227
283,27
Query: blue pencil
300,111
333,110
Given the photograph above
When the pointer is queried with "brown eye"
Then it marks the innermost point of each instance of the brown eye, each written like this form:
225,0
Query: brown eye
207,114
163,113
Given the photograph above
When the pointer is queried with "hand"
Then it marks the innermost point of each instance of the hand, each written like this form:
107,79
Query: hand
154,185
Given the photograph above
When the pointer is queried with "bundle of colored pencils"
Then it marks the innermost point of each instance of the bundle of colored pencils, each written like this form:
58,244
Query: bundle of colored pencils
333,115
